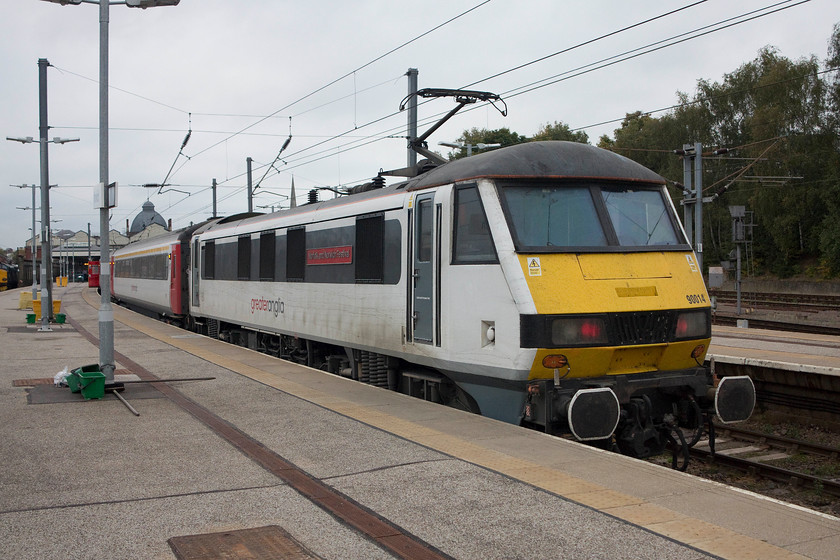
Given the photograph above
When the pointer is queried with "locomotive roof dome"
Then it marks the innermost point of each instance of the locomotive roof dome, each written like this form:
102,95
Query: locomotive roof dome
553,160
146,217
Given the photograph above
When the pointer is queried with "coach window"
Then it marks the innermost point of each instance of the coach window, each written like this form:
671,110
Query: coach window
370,249
267,256
472,243
296,254
209,259
243,258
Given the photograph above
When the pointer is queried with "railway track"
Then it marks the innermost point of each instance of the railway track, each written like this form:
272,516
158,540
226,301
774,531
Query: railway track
726,319
780,301
754,453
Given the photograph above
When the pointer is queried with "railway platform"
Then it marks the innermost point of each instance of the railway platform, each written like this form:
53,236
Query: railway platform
796,352
274,460
795,374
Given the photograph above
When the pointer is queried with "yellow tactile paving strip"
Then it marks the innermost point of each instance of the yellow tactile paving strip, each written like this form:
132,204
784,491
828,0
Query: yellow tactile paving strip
699,534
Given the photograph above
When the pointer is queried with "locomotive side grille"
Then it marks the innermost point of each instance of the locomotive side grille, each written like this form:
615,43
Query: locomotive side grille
641,327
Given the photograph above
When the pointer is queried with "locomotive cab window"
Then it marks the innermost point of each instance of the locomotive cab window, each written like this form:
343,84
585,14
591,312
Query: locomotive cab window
597,217
472,242
639,217
553,216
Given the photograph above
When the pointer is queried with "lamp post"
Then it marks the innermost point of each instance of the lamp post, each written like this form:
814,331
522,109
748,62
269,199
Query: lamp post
32,246
46,256
106,312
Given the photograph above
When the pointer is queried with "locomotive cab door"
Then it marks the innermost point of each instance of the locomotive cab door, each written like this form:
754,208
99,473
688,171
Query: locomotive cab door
421,282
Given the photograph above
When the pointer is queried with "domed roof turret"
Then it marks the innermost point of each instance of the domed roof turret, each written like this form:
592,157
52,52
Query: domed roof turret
145,218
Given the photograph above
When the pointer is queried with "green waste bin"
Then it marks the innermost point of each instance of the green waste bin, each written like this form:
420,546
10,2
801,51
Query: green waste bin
60,318
89,380
93,384
30,318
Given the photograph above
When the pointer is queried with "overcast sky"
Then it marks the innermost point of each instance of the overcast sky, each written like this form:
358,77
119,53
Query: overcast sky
236,71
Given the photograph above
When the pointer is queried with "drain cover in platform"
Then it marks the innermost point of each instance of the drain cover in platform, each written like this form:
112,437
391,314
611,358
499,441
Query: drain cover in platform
267,543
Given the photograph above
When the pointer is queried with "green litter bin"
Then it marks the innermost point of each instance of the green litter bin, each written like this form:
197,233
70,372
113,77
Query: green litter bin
73,382
93,384
89,380
30,318
60,318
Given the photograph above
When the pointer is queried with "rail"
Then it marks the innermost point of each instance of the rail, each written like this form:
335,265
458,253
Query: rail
770,445
777,300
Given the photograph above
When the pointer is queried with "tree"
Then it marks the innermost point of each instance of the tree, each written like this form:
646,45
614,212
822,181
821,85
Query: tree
475,136
781,118
829,240
503,136
649,141
560,131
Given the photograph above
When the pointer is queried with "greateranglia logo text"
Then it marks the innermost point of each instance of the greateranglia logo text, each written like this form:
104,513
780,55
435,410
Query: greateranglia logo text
275,306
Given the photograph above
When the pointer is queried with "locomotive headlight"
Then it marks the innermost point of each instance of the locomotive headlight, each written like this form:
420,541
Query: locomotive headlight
576,331
692,324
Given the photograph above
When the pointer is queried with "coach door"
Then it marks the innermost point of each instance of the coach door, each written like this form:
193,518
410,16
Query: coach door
422,284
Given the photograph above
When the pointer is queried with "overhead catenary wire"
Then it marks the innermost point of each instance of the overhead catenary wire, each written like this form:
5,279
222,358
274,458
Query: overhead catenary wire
276,158
143,97
369,139
706,98
350,73
485,79
180,153
584,43
652,47
341,78
730,22
510,92
275,113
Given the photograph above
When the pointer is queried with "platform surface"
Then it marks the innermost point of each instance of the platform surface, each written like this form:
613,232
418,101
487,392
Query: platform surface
88,479
812,353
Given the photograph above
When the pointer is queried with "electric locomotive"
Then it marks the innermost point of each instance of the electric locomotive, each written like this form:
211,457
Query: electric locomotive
547,283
